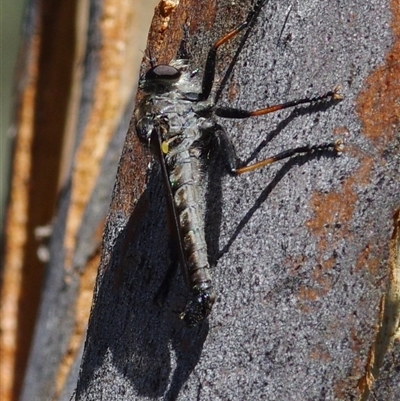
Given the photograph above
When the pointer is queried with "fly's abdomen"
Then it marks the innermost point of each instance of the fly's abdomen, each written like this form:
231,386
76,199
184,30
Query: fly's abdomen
185,178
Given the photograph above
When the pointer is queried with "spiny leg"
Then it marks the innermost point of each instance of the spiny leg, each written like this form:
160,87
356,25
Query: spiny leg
227,151
209,70
183,51
336,146
229,112
284,24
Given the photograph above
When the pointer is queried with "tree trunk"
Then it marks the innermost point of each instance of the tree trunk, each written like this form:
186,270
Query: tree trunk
306,252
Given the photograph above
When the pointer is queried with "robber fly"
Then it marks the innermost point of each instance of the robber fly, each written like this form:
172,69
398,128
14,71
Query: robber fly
176,119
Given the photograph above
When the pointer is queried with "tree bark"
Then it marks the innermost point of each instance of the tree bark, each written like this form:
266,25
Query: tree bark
306,251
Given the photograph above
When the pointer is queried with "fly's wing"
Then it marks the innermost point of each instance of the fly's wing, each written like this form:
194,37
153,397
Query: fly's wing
156,143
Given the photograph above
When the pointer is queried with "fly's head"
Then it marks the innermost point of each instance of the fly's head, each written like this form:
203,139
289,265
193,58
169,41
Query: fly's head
198,308
173,77
160,79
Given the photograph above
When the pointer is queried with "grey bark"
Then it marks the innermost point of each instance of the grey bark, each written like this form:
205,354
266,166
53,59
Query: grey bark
301,248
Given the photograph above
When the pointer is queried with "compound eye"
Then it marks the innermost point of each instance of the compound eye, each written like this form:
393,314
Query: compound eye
162,72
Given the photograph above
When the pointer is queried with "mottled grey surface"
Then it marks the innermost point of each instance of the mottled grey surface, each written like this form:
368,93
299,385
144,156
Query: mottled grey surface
297,302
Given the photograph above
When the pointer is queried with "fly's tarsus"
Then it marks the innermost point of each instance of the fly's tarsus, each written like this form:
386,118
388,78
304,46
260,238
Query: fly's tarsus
176,118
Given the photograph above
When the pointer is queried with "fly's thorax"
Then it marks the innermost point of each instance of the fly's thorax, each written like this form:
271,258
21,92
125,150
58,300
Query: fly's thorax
176,113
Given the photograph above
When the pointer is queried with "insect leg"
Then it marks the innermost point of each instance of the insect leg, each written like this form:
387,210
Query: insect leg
183,51
284,24
209,70
225,148
229,112
228,153
336,146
